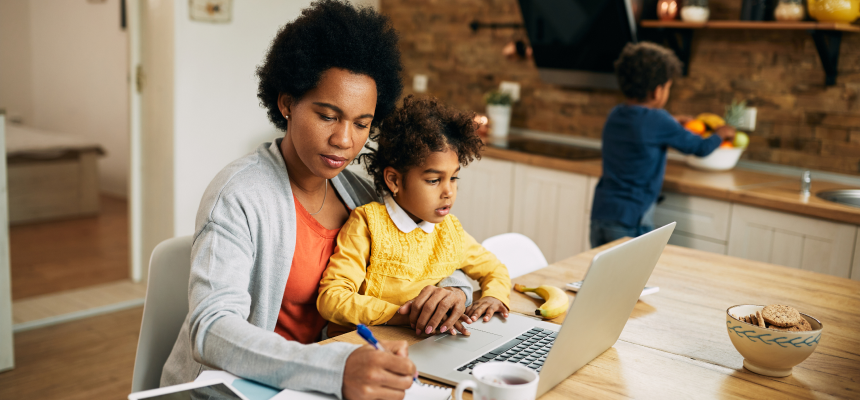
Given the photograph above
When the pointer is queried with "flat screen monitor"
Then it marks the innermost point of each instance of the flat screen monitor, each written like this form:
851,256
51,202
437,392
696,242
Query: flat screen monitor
576,42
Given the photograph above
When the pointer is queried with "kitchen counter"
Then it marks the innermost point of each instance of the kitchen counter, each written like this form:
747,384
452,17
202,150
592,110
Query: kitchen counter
742,186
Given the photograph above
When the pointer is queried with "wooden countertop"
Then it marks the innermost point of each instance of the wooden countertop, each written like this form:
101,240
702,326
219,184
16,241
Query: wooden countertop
753,188
675,342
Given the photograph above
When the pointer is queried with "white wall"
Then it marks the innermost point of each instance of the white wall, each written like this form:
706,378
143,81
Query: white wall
67,72
16,89
372,3
217,114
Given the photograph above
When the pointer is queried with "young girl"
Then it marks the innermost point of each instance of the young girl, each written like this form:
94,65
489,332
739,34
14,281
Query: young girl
386,253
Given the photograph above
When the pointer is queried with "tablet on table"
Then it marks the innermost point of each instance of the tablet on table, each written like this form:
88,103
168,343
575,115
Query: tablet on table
213,389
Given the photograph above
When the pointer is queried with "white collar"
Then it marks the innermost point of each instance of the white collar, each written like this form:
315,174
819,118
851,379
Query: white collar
402,220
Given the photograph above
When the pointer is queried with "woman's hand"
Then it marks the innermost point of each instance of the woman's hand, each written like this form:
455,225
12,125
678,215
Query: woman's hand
432,306
373,374
487,306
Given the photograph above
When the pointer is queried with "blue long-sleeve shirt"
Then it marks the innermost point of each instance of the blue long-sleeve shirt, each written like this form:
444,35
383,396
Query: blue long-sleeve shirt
635,140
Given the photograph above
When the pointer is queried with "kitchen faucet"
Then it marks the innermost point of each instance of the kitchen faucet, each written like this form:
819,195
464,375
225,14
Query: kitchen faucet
805,183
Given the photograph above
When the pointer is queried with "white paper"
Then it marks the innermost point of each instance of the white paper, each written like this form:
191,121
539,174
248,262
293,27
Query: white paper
416,392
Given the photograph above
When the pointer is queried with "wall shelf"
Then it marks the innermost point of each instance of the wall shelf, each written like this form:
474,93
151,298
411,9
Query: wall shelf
774,25
826,35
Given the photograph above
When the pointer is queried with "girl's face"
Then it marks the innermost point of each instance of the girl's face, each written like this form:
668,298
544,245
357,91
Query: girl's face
427,192
330,123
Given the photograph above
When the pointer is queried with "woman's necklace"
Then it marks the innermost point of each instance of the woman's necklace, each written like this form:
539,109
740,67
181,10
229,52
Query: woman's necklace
325,194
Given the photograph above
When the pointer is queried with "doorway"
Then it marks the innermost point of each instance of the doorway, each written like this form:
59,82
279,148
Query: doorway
64,85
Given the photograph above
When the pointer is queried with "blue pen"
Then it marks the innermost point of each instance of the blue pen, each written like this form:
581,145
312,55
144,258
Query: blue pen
367,335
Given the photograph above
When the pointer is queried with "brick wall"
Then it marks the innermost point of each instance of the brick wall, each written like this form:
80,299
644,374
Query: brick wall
800,121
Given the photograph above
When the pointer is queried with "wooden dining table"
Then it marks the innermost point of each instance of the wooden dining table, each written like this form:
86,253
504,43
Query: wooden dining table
675,344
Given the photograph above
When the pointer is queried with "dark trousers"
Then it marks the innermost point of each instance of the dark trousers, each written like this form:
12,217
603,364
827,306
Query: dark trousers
603,232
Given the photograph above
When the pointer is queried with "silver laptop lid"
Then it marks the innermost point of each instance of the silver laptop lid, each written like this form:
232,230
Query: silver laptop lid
602,306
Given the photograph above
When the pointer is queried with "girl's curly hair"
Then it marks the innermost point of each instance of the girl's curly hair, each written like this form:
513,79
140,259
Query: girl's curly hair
407,137
331,34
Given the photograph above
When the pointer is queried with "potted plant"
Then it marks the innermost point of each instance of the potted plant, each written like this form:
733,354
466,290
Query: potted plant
499,113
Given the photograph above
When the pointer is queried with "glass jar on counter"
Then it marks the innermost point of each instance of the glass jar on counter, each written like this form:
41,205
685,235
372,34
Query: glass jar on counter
789,10
695,11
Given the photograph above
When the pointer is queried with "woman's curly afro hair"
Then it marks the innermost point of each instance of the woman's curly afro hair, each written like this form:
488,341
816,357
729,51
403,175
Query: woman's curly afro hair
644,66
331,34
407,137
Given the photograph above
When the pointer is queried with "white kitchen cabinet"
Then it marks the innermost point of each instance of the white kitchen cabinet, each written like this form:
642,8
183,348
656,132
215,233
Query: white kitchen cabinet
702,224
696,216
791,240
682,239
549,207
855,270
484,198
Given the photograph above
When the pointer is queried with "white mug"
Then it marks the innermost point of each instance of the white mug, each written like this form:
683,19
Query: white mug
500,381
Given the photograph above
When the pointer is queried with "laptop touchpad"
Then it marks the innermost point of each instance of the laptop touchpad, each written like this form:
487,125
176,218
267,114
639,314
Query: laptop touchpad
475,341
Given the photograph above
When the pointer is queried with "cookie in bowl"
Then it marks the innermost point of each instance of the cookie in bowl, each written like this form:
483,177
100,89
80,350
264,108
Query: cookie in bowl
770,349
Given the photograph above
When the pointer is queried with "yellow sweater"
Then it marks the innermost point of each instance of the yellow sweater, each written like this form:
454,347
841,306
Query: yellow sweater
376,268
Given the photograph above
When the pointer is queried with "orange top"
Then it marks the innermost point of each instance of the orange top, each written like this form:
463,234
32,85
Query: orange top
299,319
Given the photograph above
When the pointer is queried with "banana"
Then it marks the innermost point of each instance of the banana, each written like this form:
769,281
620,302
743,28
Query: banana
713,121
556,300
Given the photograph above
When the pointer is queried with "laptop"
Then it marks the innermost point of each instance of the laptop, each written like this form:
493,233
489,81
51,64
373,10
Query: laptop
593,324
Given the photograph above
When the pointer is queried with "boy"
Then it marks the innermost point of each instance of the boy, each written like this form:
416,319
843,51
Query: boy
635,138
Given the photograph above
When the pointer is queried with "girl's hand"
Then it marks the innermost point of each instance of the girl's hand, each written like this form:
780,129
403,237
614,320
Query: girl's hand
398,319
487,306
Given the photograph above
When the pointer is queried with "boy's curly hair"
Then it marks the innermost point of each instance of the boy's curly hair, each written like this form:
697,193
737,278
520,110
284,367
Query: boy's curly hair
407,137
331,34
644,66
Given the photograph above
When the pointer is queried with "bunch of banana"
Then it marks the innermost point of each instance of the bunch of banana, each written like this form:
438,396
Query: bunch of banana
713,121
556,300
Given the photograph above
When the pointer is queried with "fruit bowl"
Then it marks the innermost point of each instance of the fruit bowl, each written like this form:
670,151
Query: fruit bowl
770,352
722,159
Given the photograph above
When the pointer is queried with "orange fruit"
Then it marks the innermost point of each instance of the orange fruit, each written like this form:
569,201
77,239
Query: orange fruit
726,145
696,126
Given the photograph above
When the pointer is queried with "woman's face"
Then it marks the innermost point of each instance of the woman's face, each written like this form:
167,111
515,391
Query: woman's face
330,123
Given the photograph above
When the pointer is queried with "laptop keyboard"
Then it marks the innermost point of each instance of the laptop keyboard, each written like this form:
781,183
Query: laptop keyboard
529,349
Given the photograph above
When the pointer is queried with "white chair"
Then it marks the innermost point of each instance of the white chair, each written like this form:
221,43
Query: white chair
164,310
519,253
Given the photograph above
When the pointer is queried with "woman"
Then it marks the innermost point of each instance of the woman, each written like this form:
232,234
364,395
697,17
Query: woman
267,222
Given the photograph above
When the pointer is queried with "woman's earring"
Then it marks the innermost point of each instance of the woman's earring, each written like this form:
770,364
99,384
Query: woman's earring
287,117
394,194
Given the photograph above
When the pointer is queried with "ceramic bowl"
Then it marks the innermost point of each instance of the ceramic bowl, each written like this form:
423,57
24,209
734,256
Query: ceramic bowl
768,351
722,159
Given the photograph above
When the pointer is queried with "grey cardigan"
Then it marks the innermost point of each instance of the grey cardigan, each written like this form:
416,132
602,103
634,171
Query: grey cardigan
240,260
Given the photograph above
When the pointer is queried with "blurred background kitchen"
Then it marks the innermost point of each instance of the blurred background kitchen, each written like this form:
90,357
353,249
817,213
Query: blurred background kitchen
119,112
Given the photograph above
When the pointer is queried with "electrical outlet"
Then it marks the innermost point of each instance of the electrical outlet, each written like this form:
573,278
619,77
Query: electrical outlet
747,122
513,88
419,83
213,11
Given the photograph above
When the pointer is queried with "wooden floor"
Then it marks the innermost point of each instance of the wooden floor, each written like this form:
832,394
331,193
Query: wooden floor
37,311
91,358
55,256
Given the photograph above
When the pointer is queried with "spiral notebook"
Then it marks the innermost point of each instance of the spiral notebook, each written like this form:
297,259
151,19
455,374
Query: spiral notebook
256,391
